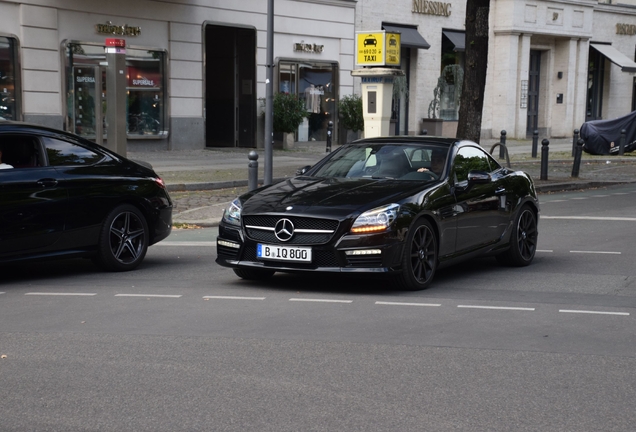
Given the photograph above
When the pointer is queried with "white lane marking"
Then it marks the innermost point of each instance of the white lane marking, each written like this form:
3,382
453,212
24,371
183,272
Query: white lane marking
545,250
149,295
598,218
495,307
596,252
551,201
187,243
599,196
2,293
593,312
60,294
320,300
233,298
407,304
579,198
619,193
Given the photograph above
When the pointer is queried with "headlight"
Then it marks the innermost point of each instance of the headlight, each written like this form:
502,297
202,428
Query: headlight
376,220
232,213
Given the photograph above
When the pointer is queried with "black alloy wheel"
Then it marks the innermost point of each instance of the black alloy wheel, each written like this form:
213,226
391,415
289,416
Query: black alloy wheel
419,260
523,240
123,240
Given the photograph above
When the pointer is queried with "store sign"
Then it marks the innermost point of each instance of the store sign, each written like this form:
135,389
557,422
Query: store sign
123,30
431,8
377,49
626,29
308,48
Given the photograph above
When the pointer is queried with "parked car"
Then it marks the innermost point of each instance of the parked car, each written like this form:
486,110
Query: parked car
603,137
69,197
396,206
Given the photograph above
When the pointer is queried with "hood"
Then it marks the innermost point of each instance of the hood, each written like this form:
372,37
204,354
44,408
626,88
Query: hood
334,197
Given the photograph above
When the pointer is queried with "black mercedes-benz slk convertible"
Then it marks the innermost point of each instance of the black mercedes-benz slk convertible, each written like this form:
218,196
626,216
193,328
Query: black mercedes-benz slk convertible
399,206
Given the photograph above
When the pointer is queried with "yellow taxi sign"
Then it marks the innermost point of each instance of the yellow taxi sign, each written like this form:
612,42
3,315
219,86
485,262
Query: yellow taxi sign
377,49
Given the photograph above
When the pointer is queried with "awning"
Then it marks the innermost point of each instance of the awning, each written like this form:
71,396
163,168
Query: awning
457,38
410,37
616,57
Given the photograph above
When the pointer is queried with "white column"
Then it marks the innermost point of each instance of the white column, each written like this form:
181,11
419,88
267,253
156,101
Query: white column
570,94
522,75
505,78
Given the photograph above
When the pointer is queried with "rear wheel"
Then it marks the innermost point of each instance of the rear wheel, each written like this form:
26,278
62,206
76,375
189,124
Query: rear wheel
123,241
419,260
523,240
253,274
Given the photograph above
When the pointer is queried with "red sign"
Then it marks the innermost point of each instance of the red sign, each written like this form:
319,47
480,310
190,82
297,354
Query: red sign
120,43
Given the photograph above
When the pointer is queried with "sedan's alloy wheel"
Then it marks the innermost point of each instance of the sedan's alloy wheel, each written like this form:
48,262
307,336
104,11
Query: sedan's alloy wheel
124,239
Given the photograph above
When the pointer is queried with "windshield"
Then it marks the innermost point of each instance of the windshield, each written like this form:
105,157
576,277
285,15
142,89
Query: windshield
394,161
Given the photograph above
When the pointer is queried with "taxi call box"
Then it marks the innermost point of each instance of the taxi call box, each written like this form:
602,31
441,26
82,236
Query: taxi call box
377,48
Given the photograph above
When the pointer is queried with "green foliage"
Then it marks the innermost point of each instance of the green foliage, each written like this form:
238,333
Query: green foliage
350,108
289,112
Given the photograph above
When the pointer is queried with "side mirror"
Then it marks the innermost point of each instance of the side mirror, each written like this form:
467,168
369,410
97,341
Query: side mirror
303,170
478,177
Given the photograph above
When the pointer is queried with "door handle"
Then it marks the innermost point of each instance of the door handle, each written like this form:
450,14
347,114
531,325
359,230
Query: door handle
47,183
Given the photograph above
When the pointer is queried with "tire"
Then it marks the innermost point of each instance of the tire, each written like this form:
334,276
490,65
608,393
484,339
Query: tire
523,240
123,240
254,274
419,259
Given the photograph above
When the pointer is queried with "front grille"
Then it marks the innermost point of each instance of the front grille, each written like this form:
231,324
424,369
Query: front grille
321,258
260,228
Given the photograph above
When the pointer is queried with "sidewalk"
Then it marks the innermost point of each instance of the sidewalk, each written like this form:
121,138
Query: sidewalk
202,182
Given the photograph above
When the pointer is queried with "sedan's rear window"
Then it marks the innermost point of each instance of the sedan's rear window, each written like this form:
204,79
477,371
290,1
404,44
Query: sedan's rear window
62,153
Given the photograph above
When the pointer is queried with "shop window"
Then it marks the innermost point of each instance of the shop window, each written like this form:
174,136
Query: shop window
315,84
451,75
145,89
9,89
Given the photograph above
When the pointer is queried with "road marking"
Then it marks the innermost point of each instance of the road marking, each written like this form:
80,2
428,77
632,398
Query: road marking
596,252
2,293
149,295
619,193
628,219
495,307
320,300
187,243
551,201
407,304
593,312
60,294
545,250
599,196
580,198
233,298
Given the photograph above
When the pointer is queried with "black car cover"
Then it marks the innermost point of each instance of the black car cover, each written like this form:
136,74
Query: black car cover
603,137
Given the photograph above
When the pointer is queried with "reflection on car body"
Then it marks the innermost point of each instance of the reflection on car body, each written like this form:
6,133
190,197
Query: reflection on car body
400,206
69,197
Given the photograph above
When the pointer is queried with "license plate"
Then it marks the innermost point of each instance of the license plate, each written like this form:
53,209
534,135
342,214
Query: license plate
283,253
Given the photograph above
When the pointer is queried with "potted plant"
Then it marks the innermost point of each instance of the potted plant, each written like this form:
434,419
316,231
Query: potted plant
351,118
289,113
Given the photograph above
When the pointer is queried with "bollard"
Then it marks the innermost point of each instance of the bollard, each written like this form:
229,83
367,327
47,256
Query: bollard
544,159
621,146
424,131
252,171
502,140
535,142
577,158
329,133
575,140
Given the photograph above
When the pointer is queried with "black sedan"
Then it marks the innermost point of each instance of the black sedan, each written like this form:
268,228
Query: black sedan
400,206
63,196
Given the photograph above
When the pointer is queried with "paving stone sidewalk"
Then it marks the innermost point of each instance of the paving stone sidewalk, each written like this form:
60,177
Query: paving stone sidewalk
203,182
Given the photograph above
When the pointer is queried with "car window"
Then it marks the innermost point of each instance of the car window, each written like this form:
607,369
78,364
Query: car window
62,153
470,159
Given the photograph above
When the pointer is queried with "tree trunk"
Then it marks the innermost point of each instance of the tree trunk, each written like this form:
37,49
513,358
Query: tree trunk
472,97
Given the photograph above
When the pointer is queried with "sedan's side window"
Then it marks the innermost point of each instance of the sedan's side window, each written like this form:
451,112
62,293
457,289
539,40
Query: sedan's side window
62,153
470,159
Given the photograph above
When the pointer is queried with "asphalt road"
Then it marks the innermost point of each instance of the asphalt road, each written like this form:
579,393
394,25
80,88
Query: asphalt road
182,344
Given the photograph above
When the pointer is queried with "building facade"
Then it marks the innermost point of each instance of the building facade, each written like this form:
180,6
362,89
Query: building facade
196,71
552,65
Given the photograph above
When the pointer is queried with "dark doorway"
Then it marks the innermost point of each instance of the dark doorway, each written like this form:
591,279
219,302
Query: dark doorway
534,78
595,78
230,86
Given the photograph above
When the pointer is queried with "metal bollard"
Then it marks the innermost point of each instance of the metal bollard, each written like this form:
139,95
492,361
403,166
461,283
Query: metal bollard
252,170
575,140
577,158
544,159
621,146
329,133
535,143
502,140
424,131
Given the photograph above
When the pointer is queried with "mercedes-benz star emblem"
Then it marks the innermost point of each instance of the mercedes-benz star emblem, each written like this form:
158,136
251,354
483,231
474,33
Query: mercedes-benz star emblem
284,230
